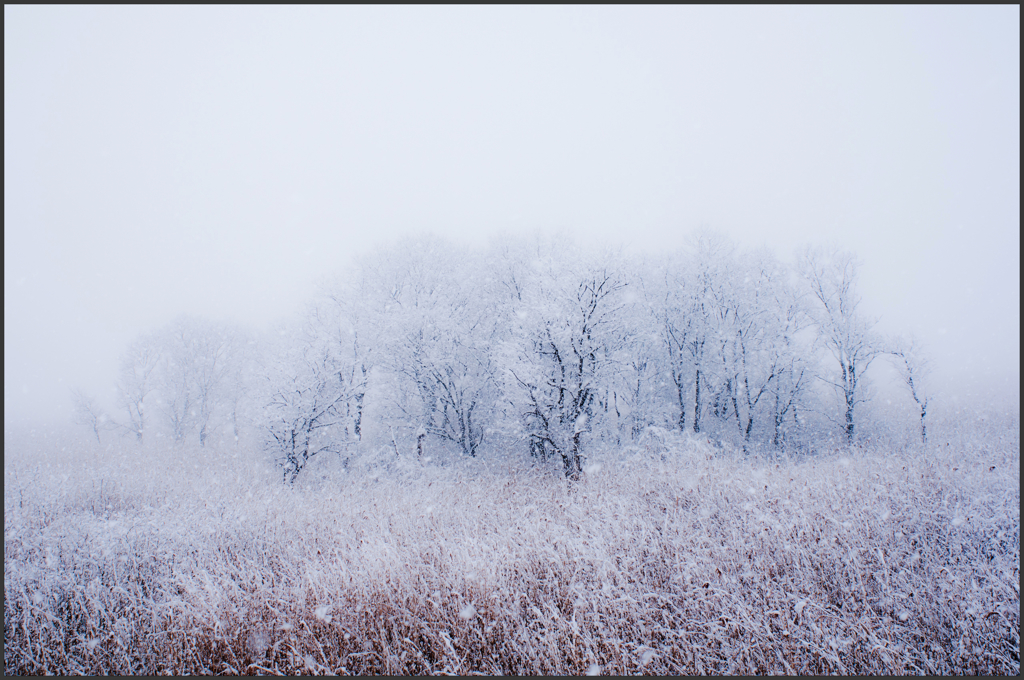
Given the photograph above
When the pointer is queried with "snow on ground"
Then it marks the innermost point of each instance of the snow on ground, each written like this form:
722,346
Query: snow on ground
689,560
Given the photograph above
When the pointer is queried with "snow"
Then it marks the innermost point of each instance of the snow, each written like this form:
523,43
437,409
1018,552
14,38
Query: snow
664,563
525,460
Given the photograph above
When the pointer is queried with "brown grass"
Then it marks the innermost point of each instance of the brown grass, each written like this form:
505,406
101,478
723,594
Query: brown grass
870,563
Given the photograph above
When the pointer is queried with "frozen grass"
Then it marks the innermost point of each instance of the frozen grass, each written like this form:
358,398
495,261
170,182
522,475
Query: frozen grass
697,561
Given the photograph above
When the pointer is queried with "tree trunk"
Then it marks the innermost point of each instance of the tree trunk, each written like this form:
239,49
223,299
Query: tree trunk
849,420
696,403
571,459
777,421
358,425
682,404
924,428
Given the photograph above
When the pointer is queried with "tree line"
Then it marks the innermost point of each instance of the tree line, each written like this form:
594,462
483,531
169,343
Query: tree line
531,344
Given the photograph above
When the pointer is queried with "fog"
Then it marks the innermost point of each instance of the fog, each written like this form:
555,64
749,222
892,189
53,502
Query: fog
222,161
512,341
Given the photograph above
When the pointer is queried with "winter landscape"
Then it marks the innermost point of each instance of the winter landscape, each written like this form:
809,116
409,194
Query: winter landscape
519,341
514,462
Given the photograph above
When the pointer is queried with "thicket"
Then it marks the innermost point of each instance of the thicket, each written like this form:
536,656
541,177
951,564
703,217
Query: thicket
530,345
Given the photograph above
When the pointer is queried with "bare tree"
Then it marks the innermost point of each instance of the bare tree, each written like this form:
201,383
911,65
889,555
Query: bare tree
453,395
846,334
358,339
566,363
437,330
678,322
913,367
306,406
789,356
237,385
535,342
136,381
709,311
196,357
729,321
641,363
749,363
88,413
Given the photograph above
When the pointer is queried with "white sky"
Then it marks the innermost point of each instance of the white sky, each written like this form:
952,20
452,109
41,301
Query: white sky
218,160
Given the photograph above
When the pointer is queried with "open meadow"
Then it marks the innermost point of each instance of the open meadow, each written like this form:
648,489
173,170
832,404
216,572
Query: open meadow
515,340
672,558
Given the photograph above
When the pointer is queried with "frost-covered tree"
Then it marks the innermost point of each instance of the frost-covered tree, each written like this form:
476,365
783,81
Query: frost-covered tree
790,353
747,332
346,303
730,327
437,332
89,413
307,396
848,336
562,358
135,382
425,344
237,385
677,320
196,360
913,367
710,309
639,357
192,370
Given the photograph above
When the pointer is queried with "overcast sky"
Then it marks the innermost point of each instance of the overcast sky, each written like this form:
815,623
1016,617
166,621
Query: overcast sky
219,160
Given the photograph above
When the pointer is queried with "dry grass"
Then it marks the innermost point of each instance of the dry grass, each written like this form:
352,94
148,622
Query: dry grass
872,563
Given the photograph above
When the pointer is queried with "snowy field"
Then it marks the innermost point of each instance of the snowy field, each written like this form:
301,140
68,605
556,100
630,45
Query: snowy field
671,559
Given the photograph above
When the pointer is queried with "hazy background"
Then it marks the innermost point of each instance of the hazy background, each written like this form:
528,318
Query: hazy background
218,161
